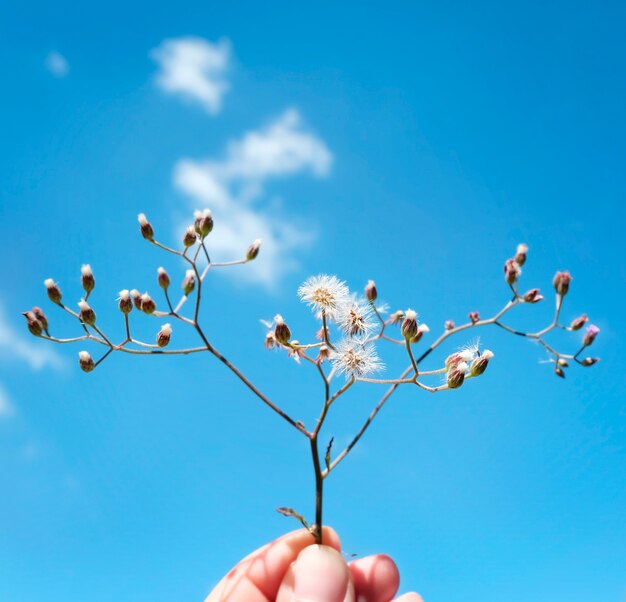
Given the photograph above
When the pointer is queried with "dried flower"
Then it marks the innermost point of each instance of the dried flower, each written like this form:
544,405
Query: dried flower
449,325
163,336
189,282
85,361
147,304
520,255
409,324
203,222
354,358
474,317
136,297
253,250
512,271
163,278
145,227
371,294
189,237
322,334
54,292
295,351
270,340
87,279
281,330
38,313
590,335
355,318
324,293
396,317
86,314
323,355
35,327
579,322
480,363
124,301
561,283
532,296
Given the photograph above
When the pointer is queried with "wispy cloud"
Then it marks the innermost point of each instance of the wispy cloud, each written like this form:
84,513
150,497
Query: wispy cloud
195,69
6,407
57,64
233,187
15,345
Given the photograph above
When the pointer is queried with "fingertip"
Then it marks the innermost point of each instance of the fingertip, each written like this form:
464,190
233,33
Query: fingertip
410,597
375,577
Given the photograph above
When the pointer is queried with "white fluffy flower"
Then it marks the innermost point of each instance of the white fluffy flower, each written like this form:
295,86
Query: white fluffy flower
324,293
355,318
354,359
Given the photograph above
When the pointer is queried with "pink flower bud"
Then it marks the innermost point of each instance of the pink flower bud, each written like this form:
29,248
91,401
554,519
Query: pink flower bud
561,283
520,255
163,336
86,314
512,271
281,330
532,296
136,297
203,222
54,292
456,375
579,322
590,335
449,325
147,304
562,362
87,279
144,226
253,250
34,325
590,361
125,303
38,313
480,363
474,317
163,278
189,282
189,238
371,294
409,324
85,361
559,371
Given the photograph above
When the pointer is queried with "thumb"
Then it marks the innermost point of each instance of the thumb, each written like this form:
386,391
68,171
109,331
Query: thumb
319,574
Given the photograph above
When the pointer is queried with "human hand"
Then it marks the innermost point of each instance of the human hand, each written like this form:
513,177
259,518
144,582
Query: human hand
290,569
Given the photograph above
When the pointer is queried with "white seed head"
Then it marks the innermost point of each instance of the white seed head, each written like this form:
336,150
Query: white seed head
466,355
85,270
142,219
410,314
324,293
49,283
487,353
355,359
355,318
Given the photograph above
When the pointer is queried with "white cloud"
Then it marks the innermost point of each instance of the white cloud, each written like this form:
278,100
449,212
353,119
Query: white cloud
57,64
194,69
15,345
6,407
232,186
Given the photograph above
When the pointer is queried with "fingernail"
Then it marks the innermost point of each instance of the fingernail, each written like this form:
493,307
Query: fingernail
320,574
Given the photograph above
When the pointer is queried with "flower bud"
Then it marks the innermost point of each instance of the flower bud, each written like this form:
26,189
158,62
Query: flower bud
520,255
480,363
136,297
144,225
562,362
86,314
203,222
456,375
270,340
163,336
409,324
147,304
253,250
512,271
532,296
85,361
54,292
579,322
281,330
474,317
163,278
190,236
87,279
189,282
559,371
561,283
323,355
421,329
371,294
449,325
590,361
34,325
590,335
37,311
459,357
125,303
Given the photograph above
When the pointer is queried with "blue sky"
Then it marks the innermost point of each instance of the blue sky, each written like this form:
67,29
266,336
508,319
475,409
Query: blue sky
412,144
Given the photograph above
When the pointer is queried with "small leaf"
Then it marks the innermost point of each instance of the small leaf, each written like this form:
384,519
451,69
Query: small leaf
327,457
291,512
